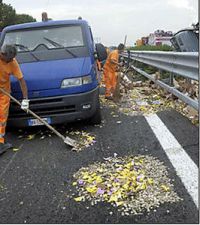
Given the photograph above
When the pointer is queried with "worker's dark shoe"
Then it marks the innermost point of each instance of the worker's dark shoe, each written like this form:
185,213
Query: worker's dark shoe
4,147
8,145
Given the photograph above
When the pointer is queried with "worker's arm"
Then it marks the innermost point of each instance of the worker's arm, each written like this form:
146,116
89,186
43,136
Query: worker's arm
116,63
25,101
23,88
113,61
16,71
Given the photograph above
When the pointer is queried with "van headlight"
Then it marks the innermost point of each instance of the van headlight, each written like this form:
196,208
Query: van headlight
87,79
72,82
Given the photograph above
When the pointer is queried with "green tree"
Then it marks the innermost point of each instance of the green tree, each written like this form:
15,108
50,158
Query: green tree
8,16
24,18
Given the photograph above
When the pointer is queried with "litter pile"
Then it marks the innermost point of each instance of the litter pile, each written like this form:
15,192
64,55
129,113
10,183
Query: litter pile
143,101
144,98
83,138
133,184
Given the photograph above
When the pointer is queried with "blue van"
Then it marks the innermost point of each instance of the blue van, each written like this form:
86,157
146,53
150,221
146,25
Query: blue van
57,59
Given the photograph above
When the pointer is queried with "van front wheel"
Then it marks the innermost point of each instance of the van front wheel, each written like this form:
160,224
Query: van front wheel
96,118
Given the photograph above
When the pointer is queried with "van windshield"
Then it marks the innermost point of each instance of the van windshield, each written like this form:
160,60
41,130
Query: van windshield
60,42
68,36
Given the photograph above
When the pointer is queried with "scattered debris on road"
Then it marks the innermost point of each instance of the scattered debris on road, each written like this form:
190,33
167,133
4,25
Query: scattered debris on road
144,98
15,149
83,138
31,137
2,188
133,184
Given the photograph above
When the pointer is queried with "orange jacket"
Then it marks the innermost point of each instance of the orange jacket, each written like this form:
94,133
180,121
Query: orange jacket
7,69
114,56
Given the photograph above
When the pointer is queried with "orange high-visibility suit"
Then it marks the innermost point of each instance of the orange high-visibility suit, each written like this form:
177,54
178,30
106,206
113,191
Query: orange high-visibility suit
103,76
6,69
110,73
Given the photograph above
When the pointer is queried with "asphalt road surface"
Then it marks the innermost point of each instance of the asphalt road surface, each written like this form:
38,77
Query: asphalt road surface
35,180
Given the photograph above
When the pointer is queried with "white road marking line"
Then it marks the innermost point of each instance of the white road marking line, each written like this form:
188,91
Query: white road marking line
185,167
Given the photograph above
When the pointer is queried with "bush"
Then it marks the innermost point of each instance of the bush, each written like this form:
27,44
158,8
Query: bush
152,48
147,68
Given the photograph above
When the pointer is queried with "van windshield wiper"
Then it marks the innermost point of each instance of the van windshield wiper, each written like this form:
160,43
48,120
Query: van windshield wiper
26,48
59,45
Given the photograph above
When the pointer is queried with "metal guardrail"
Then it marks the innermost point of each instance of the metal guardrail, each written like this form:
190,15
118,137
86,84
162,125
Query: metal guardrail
179,63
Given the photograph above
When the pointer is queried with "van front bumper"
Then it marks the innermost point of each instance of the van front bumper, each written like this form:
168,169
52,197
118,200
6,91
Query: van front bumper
60,109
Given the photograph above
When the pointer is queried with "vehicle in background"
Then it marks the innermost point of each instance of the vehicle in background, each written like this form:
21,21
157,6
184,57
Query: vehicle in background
186,40
58,61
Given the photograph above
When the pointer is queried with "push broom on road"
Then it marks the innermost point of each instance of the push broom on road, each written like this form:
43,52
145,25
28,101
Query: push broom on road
67,140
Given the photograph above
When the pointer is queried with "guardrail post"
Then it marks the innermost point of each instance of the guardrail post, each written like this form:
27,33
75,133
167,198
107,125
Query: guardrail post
129,57
171,79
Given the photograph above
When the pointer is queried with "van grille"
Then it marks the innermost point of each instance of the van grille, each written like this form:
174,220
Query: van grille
42,107
41,101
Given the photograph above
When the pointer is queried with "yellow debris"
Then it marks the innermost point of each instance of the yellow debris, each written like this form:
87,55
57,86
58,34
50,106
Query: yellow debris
78,199
165,188
119,181
31,137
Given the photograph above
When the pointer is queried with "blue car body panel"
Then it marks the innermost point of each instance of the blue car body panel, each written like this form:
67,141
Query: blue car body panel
47,76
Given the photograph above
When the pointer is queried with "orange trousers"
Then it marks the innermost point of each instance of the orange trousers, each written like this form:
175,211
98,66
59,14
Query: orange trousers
4,110
110,79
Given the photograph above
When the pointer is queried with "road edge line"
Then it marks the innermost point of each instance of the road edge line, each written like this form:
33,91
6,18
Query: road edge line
184,166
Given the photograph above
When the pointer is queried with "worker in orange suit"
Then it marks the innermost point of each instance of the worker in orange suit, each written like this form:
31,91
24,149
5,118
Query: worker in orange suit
103,76
110,71
9,66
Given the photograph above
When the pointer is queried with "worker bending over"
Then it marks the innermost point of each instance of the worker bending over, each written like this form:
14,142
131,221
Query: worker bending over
9,66
110,71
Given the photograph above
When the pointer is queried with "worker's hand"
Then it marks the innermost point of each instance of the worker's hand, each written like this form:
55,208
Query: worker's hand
121,64
25,104
117,69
